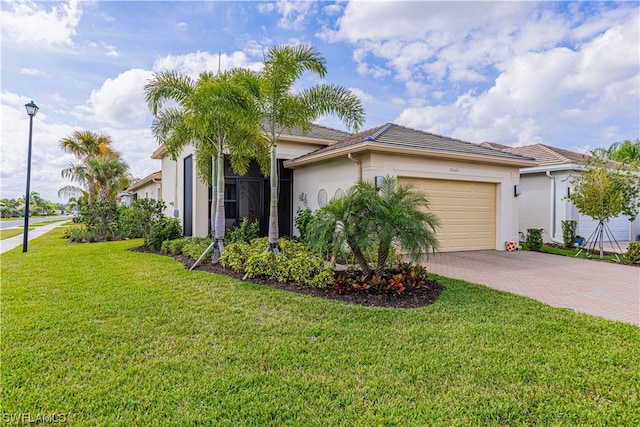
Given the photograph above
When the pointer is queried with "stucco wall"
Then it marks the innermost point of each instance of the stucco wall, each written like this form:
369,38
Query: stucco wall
330,176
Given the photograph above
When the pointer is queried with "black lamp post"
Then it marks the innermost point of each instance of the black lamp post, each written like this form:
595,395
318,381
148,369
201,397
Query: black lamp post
32,109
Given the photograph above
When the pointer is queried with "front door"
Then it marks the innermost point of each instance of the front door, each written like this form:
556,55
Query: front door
250,200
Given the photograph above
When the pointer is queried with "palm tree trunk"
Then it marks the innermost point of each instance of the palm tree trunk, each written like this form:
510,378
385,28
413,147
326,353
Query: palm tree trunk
219,229
359,256
214,194
91,189
383,254
274,231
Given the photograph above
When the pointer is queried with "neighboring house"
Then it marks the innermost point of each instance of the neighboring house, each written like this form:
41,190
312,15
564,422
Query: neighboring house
149,187
471,188
545,187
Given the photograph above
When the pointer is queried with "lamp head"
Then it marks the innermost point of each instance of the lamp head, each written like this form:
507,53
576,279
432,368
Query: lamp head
32,108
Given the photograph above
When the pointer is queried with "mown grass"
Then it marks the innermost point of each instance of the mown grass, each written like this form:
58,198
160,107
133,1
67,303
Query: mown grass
112,337
11,232
576,253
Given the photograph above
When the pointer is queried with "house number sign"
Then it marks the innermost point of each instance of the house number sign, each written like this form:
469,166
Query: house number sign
454,170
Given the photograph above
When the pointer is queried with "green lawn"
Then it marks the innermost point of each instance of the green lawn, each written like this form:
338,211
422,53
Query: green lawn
11,232
112,337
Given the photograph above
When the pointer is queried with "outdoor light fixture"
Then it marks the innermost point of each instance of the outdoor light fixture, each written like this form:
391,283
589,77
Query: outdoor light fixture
32,109
517,190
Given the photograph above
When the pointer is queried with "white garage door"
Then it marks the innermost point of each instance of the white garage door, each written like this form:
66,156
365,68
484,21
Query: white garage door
467,212
618,226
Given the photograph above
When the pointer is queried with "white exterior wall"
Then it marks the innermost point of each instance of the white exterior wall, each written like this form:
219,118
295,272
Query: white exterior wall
330,176
536,203
169,192
505,177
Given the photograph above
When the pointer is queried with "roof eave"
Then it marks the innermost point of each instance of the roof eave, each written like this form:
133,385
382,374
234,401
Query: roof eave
551,168
369,146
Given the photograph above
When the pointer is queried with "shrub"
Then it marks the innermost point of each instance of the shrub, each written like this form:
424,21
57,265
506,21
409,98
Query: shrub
196,247
534,238
175,246
102,220
302,220
245,232
569,232
83,236
138,219
633,253
163,229
70,229
295,263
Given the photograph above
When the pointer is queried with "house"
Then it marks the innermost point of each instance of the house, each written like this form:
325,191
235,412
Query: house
149,187
470,187
545,187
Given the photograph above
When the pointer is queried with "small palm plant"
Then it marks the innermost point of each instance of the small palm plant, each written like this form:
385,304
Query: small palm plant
368,216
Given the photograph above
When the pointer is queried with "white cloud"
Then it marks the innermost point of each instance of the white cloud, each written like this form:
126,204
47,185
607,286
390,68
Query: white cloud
193,64
111,51
30,23
33,72
293,13
119,102
265,7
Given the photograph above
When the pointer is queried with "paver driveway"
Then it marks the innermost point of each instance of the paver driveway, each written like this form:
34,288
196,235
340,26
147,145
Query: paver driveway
602,289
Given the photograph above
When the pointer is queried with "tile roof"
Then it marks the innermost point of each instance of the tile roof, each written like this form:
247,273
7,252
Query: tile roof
392,135
321,132
545,155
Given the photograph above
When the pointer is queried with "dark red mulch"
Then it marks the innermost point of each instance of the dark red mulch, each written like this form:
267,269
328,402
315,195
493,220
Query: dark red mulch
427,294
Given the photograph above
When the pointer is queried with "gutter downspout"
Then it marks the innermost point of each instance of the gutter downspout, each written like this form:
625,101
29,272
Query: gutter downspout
158,181
359,163
552,234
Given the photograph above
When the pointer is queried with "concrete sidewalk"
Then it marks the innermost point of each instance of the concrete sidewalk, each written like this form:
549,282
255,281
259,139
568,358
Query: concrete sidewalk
603,289
16,241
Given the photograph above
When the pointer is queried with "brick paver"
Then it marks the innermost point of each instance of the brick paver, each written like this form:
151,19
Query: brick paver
602,289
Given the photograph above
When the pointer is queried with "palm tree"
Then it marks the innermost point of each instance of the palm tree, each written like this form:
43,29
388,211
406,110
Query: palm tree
110,173
370,217
216,114
283,110
84,144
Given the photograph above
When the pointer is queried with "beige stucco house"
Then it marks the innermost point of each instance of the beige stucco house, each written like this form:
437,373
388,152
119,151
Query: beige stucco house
545,187
471,188
149,187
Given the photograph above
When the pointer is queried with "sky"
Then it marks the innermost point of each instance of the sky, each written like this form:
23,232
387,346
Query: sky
566,74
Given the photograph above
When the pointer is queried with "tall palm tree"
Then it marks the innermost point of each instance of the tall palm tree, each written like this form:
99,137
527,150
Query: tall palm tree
283,110
216,114
85,144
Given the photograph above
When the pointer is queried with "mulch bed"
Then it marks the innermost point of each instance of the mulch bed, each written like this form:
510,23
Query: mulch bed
425,295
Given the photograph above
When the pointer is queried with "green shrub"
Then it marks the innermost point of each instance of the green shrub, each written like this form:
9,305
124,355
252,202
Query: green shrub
138,219
569,232
245,232
163,229
70,229
534,238
83,236
633,253
196,247
175,246
302,220
294,264
102,220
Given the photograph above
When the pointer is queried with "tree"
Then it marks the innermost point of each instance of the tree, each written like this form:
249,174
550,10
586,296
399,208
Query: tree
627,152
283,110
85,145
110,174
605,190
216,114
368,216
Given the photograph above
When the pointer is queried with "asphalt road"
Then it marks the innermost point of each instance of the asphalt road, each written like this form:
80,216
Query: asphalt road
32,220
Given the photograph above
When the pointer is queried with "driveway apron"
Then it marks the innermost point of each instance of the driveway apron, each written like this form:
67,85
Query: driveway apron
603,289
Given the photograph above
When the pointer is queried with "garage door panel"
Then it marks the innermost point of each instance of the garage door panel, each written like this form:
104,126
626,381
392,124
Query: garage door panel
466,211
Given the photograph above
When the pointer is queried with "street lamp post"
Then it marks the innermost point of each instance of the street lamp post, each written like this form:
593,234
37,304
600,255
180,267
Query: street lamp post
32,109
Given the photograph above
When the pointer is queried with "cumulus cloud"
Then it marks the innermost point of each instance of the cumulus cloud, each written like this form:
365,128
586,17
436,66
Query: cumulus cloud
120,101
33,23
193,64
293,13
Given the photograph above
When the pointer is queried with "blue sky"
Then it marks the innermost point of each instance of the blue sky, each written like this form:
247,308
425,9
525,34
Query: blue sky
517,73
